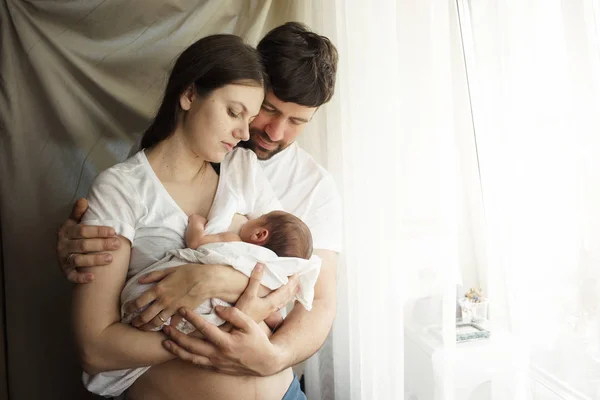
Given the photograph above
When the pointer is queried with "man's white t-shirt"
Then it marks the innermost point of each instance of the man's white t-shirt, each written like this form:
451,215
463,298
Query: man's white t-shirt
308,191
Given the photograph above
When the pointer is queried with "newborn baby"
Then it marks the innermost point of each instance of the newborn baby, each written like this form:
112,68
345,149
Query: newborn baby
281,232
278,239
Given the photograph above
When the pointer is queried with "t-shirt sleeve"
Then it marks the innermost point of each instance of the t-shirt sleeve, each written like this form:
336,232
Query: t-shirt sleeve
251,185
324,218
113,202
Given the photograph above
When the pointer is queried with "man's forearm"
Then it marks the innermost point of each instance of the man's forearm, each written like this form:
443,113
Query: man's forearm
304,332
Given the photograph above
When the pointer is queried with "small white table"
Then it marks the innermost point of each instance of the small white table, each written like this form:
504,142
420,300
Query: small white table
483,369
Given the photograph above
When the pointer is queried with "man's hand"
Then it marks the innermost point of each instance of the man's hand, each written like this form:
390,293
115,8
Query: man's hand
246,350
75,241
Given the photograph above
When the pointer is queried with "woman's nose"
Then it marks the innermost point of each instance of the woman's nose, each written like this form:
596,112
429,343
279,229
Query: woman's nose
242,133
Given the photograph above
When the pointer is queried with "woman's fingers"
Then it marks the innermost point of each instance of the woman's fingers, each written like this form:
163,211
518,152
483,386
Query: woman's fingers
144,299
163,304
280,297
254,282
155,323
149,315
176,319
156,276
158,316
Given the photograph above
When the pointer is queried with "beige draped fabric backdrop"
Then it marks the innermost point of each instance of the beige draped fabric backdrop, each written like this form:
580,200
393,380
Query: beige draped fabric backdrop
79,79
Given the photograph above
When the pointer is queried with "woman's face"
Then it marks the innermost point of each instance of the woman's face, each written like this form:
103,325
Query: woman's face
213,125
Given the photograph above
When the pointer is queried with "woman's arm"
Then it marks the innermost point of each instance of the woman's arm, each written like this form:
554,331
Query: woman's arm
188,286
104,343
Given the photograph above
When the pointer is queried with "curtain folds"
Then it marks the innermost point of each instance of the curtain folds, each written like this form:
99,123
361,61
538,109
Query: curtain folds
392,137
535,83
79,80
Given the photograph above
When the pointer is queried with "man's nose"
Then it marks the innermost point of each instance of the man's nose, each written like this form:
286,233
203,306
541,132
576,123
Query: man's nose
275,129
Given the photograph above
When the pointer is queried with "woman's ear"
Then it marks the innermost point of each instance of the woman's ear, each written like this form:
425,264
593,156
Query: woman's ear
187,97
260,236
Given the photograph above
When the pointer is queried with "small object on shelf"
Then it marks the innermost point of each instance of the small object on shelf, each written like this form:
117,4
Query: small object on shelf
470,331
473,306
465,332
475,295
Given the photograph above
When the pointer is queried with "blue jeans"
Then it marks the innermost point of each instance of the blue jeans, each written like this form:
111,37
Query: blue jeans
294,392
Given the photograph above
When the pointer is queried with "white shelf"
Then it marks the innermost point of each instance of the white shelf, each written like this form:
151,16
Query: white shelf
473,369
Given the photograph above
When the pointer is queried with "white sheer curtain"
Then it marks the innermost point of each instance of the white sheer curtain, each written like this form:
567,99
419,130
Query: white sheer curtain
534,69
413,209
389,138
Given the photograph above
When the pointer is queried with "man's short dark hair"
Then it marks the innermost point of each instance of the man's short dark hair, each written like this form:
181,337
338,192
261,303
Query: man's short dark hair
301,65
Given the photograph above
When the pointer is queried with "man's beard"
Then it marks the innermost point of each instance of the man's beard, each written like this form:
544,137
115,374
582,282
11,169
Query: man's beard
261,153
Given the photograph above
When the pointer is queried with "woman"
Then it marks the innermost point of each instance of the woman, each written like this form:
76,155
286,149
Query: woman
215,89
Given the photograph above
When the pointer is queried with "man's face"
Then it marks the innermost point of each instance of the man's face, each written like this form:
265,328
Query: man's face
276,126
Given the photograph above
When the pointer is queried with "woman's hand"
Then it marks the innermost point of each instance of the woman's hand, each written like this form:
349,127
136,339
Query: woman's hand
183,286
263,308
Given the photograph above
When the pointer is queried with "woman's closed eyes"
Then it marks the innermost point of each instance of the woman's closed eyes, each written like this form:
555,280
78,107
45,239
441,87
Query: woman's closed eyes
232,113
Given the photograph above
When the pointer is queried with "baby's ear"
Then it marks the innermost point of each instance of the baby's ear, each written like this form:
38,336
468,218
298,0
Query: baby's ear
261,235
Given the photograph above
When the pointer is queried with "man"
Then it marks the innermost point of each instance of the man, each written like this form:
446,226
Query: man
301,67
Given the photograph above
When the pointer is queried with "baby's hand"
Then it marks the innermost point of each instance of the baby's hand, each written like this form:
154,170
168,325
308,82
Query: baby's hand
195,230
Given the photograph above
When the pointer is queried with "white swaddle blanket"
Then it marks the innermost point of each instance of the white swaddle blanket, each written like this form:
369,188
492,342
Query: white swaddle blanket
241,256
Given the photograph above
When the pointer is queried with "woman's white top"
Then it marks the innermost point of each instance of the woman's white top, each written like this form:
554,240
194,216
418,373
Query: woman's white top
130,198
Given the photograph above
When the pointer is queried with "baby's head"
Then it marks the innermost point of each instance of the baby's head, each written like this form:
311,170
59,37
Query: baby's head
281,232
